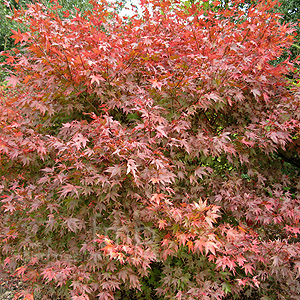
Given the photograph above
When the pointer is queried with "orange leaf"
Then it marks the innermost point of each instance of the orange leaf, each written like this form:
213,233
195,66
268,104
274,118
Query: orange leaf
108,249
162,224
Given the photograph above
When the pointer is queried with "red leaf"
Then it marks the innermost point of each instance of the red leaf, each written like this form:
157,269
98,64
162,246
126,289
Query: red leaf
18,36
96,78
248,269
156,84
69,189
199,245
109,249
162,224
105,296
13,80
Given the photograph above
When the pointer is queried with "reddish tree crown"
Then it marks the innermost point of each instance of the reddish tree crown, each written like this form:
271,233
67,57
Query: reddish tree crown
155,142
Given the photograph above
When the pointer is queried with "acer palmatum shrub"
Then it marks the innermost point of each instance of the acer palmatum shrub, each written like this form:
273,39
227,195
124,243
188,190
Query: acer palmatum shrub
151,158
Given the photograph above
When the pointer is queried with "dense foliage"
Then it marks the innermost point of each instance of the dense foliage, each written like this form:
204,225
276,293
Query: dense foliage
7,8
7,23
151,158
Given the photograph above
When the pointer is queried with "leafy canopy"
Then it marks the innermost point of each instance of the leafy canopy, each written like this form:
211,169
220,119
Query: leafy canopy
141,156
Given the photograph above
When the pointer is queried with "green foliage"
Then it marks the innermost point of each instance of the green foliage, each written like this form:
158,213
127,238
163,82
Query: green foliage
291,14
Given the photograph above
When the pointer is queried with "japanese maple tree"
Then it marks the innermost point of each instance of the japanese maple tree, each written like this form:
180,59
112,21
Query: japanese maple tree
153,157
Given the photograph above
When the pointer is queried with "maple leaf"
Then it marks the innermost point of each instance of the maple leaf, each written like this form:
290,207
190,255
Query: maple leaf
13,81
256,92
123,274
199,245
21,270
74,224
162,224
147,41
190,246
156,84
240,260
7,261
131,167
134,281
17,36
161,131
105,296
224,262
96,78
9,207
182,238
210,246
114,170
69,188
248,268
80,141
49,274
156,198
155,180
